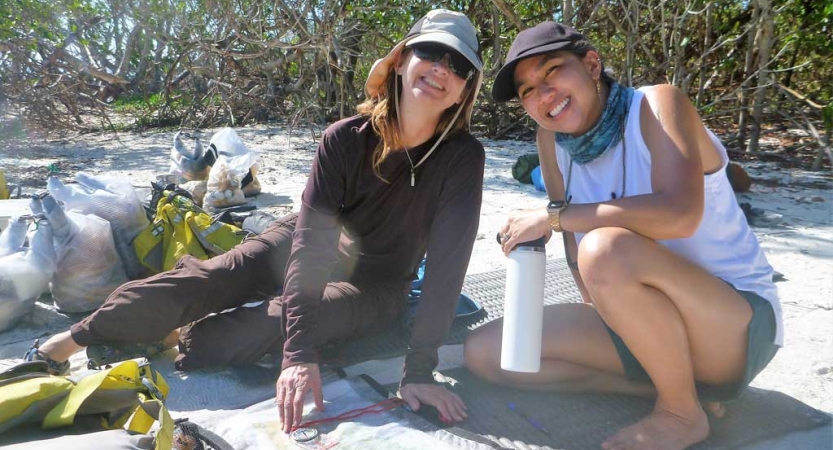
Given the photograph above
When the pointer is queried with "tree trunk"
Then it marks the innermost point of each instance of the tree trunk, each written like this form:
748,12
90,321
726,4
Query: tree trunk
124,64
743,116
764,50
678,27
144,61
567,12
497,61
510,14
706,45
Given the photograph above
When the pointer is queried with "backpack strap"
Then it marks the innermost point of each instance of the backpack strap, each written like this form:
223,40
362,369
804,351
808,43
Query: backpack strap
125,376
146,414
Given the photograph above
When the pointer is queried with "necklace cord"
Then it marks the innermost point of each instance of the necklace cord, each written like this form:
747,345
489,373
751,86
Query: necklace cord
436,144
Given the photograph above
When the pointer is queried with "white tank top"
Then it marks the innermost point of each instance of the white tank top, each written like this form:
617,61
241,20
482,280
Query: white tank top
723,244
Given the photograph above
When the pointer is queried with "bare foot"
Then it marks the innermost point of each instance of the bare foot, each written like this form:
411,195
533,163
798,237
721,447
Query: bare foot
715,409
661,430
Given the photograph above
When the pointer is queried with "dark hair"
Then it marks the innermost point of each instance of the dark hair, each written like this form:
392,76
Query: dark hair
580,49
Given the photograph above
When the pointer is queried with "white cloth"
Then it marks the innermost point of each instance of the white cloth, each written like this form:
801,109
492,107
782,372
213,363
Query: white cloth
723,244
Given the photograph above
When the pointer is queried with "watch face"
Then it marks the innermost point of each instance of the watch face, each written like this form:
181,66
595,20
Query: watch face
303,434
556,204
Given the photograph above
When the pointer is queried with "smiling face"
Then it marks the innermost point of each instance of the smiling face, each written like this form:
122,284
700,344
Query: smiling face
429,83
558,90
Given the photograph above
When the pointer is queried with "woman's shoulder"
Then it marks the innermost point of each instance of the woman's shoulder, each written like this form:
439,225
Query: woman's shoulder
659,95
347,128
667,104
348,136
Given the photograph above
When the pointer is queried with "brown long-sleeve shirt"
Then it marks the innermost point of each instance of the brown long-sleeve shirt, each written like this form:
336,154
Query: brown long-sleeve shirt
376,230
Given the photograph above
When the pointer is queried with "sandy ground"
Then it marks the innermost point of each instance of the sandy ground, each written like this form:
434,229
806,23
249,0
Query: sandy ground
793,220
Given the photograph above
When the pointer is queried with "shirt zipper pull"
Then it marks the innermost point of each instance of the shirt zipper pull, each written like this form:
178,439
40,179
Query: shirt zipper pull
412,177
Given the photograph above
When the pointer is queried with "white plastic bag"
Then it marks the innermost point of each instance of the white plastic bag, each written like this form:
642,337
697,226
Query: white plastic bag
227,142
186,163
25,273
115,201
235,163
88,267
197,190
14,236
223,189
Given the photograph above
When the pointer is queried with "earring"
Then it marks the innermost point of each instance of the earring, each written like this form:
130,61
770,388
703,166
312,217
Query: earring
599,91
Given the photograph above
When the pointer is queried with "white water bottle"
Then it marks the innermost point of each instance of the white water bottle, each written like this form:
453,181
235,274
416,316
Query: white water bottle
523,308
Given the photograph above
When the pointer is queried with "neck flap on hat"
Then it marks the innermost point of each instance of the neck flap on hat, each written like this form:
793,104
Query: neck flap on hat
607,131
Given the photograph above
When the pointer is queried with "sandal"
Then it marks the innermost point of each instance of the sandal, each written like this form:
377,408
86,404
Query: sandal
111,353
54,367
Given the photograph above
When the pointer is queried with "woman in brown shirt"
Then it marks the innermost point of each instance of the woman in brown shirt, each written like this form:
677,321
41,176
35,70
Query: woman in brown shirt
401,179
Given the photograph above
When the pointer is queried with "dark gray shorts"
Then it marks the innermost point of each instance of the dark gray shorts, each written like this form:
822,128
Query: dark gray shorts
760,350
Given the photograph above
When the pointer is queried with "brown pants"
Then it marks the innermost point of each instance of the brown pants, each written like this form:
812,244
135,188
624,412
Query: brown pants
148,310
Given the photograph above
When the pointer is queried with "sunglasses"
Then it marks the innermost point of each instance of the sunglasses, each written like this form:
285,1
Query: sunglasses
457,63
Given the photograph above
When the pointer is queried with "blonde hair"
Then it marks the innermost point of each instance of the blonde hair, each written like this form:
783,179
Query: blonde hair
382,112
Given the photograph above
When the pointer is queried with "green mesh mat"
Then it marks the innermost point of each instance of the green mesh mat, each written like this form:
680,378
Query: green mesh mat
584,421
485,288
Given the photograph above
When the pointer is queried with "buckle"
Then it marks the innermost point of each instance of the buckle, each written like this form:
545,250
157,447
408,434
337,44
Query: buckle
145,369
153,390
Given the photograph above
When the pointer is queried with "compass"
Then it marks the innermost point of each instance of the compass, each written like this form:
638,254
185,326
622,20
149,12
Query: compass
304,434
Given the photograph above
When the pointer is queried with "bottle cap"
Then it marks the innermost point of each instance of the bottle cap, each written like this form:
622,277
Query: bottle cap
540,242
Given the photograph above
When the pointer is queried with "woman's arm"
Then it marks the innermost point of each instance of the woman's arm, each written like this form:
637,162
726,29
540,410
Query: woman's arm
674,134
554,182
450,243
314,244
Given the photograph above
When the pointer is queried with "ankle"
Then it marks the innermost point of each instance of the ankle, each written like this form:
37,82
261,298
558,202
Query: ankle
59,352
687,410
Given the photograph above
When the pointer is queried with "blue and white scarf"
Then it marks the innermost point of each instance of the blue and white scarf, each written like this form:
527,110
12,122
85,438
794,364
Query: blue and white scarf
607,131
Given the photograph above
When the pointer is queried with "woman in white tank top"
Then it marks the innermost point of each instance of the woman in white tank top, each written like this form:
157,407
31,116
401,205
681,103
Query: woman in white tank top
679,300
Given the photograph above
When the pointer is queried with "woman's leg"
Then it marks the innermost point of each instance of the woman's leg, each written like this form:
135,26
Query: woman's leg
245,335
681,323
577,355
152,309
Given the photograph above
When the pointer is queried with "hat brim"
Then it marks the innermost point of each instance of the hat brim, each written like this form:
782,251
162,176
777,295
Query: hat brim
503,89
379,70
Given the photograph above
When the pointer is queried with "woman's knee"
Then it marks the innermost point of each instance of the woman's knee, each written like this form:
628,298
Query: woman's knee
607,257
233,338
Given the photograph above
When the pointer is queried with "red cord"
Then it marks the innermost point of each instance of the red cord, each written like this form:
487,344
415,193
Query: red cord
384,405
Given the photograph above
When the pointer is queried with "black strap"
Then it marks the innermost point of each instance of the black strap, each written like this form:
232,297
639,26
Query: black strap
571,263
247,180
381,390
210,156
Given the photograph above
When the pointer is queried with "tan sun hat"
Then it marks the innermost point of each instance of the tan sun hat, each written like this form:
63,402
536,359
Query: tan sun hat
441,26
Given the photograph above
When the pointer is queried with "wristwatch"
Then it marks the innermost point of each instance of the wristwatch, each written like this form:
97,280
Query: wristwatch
554,210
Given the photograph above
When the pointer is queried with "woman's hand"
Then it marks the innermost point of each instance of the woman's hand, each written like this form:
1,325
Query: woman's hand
524,226
449,404
291,387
